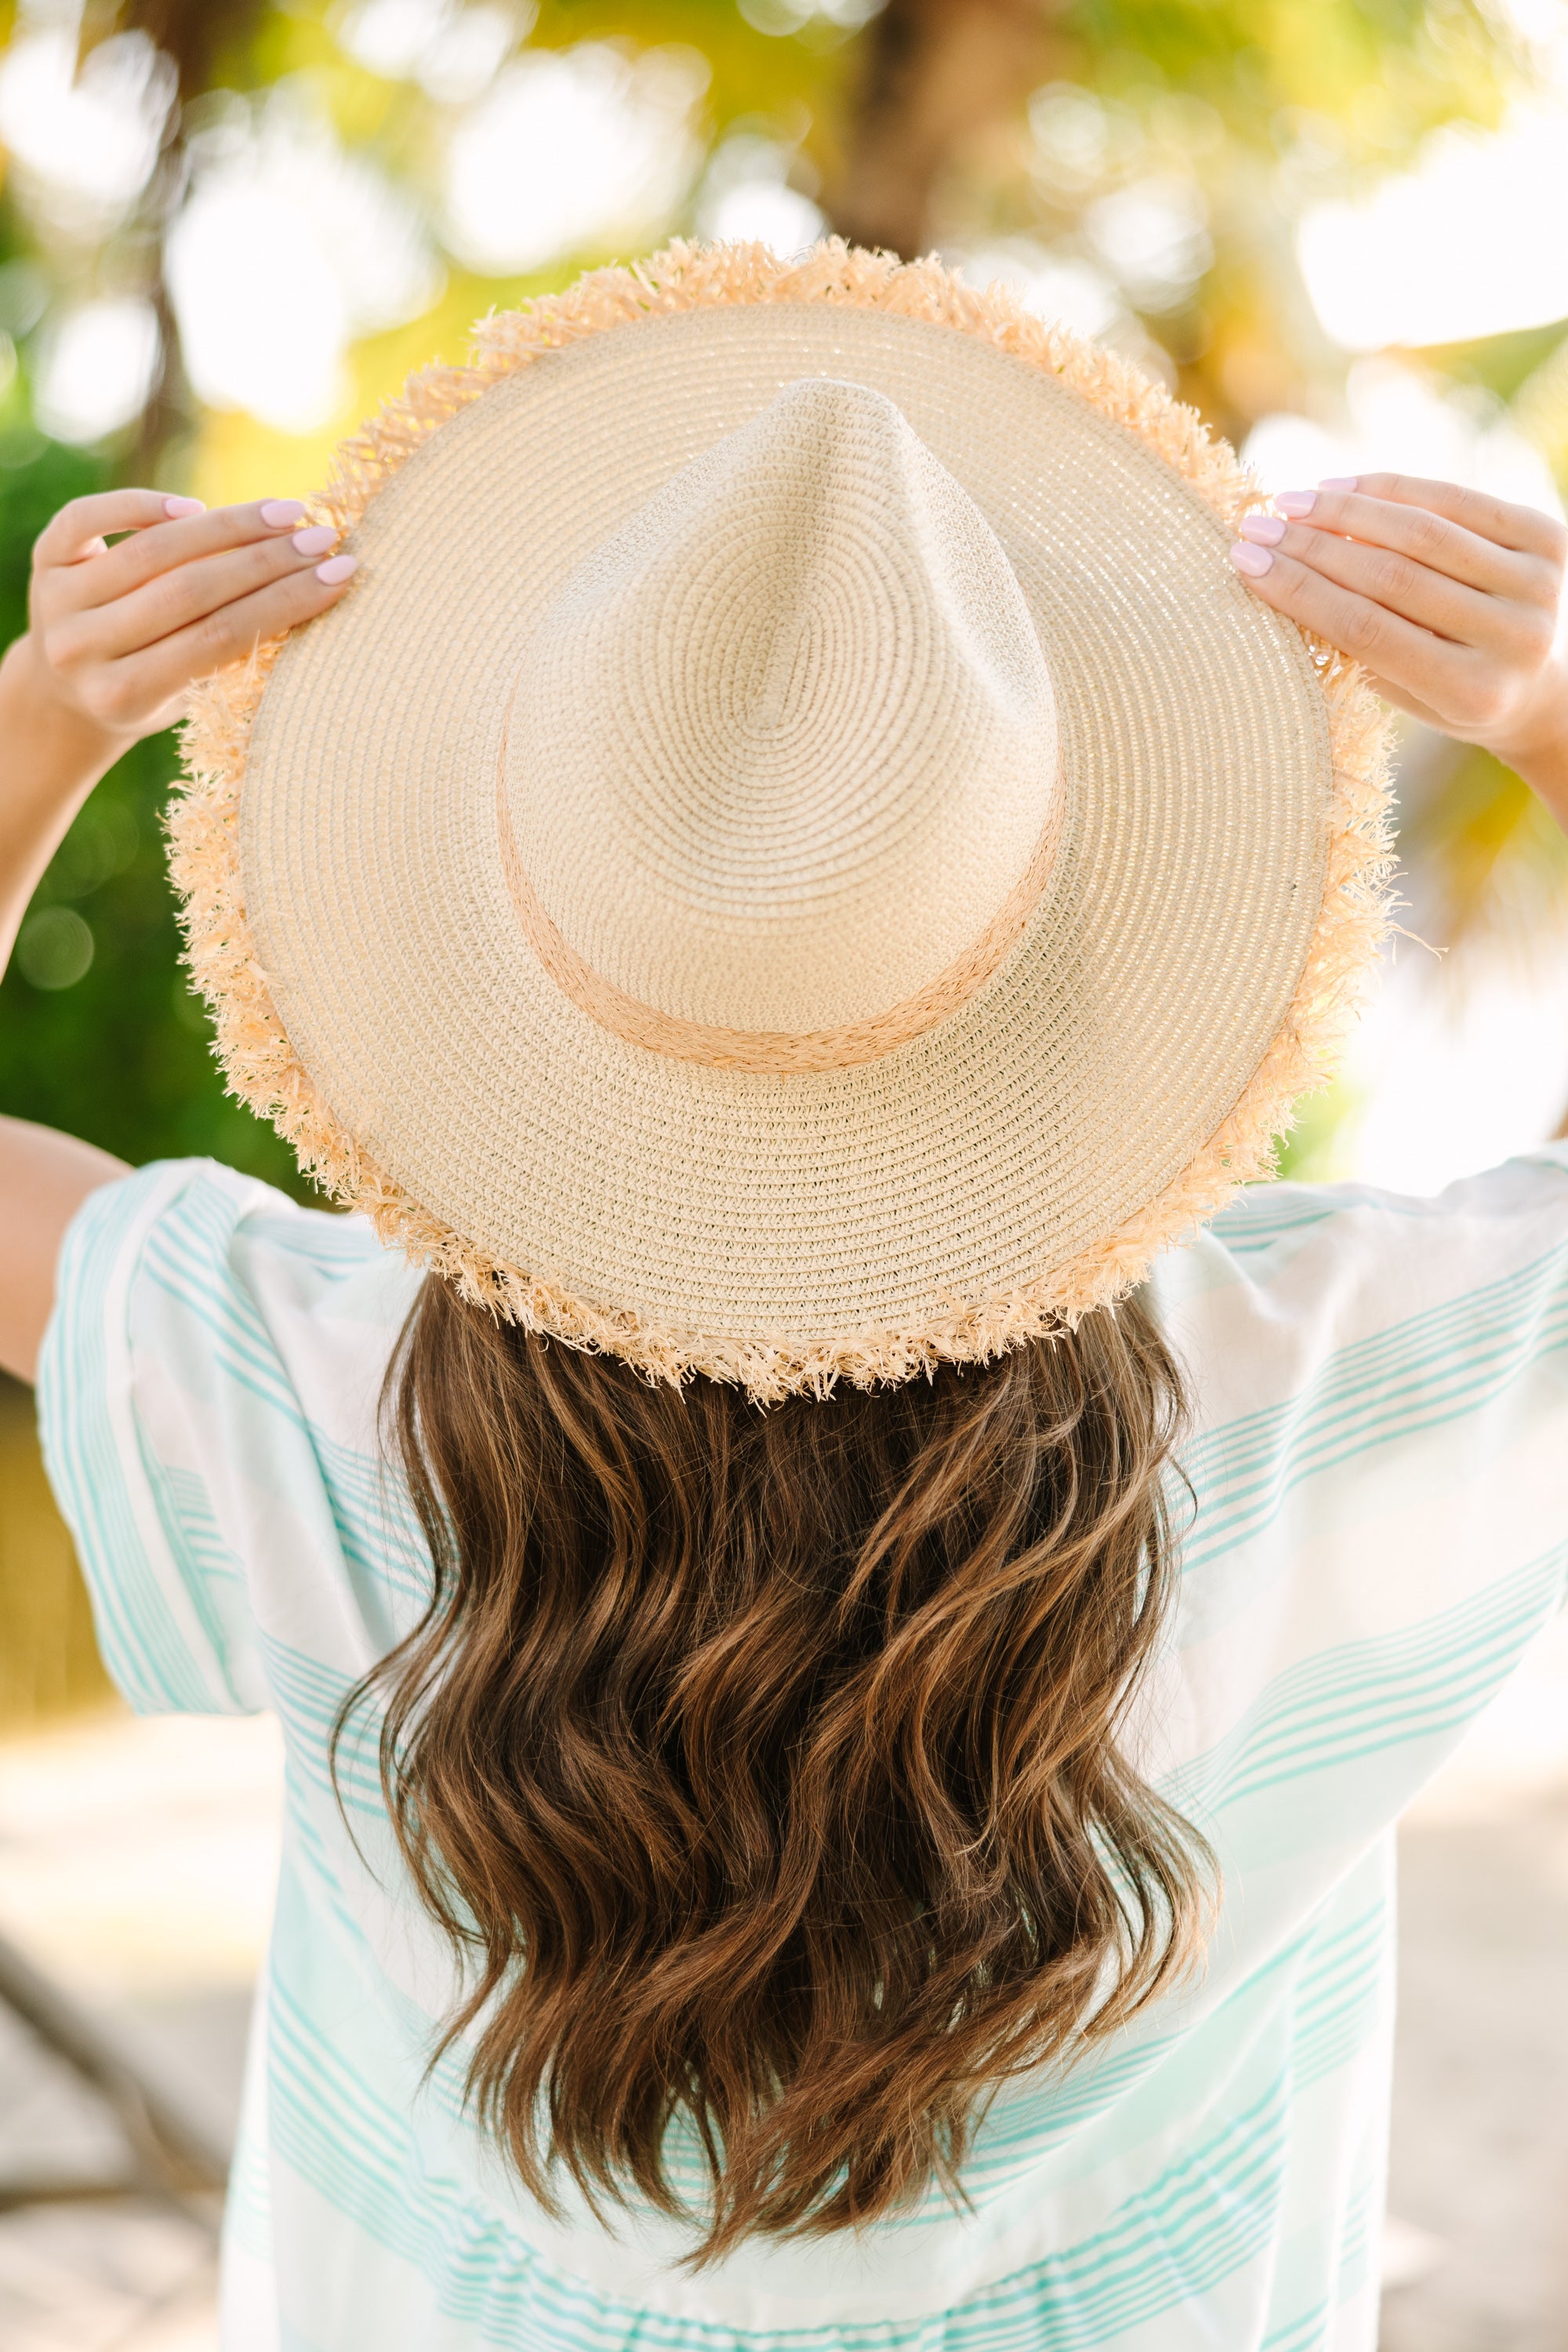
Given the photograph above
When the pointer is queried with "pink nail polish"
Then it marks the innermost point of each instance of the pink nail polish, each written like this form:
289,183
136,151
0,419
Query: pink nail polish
175,508
1254,560
279,513
1339,481
1295,503
337,568
315,540
1267,529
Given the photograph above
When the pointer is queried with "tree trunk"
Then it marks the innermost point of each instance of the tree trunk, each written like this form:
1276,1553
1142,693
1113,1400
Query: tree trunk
197,36
200,35
937,73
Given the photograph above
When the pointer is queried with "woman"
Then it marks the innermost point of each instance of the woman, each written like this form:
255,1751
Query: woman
846,1721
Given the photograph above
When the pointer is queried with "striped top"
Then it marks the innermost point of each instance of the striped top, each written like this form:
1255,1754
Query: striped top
1380,1467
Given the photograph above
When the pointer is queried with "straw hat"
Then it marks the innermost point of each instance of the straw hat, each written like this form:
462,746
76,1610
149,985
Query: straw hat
798,858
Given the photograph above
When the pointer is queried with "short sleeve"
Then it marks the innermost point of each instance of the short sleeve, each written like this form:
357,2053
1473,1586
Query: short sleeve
1374,1494
196,1312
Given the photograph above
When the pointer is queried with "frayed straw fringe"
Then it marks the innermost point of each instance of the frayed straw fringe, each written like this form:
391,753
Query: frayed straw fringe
263,1070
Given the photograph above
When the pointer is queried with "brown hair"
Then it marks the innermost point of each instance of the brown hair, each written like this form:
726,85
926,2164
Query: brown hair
764,1764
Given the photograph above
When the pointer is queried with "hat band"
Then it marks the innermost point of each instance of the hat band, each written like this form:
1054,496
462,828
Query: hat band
778,1053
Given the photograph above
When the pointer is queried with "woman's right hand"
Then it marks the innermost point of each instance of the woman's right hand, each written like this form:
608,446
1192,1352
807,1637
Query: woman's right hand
117,634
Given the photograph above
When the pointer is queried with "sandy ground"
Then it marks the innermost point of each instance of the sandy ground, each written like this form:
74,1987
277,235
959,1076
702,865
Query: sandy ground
1480,2157
136,1865
136,1861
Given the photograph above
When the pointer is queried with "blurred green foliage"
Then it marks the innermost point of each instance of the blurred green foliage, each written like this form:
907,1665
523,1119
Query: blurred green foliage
1314,1151
1495,856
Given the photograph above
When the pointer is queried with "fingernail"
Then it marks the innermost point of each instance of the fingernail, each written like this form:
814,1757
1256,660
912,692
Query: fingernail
1298,502
1254,560
1266,527
176,507
1338,482
315,540
336,568
279,513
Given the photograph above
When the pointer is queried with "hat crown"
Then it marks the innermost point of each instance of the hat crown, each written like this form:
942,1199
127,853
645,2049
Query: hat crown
786,742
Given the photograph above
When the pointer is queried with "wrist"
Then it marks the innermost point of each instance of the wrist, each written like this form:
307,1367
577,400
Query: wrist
1536,746
77,749
51,755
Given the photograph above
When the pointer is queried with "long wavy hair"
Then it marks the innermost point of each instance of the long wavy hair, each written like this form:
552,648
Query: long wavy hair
763,1765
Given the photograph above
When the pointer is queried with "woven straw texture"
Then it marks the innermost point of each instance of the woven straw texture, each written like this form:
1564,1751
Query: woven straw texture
782,757
435,876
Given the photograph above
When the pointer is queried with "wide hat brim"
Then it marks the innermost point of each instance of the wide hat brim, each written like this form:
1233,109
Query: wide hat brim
1217,885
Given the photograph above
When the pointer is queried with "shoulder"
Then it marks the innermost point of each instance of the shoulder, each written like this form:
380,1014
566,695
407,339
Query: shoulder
219,1277
1292,1276
208,1391
201,1215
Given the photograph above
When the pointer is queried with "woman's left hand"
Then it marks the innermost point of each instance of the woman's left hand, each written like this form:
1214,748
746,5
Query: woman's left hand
1452,601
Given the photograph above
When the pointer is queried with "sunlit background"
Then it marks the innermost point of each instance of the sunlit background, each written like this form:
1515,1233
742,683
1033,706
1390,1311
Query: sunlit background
229,227
227,230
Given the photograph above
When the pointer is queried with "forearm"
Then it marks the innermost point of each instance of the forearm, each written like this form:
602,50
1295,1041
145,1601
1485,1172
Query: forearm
50,758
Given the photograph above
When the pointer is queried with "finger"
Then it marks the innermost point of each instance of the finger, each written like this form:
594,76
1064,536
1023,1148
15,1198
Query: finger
173,599
1525,529
1426,536
229,635
1500,624
79,527
1410,658
1407,702
169,544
